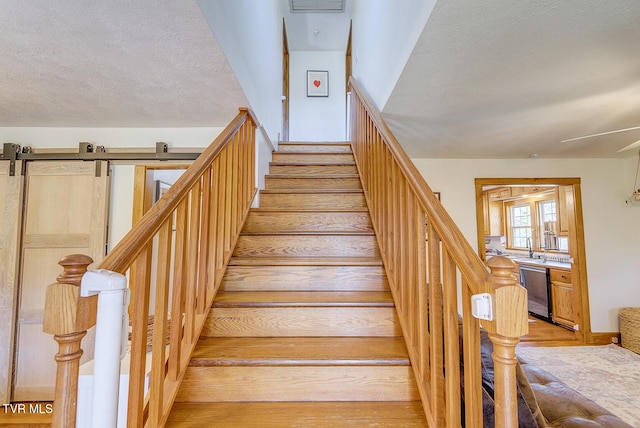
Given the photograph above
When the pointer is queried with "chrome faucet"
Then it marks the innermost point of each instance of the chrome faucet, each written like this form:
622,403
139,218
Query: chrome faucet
530,248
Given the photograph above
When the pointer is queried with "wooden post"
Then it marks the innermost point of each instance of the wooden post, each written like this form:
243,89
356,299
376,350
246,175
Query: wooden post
510,322
67,317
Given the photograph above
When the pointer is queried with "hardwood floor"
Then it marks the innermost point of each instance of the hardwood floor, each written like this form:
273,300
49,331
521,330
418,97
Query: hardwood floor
545,333
26,414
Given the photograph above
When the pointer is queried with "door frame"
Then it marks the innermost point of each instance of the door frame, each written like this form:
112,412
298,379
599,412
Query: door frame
576,241
9,273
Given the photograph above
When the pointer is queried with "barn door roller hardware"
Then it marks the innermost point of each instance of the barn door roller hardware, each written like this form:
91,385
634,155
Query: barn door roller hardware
89,152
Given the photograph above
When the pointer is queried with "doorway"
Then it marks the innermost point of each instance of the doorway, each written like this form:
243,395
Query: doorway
285,84
538,222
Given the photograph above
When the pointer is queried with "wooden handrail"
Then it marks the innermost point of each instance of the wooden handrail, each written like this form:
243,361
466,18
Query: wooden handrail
462,251
123,255
176,256
424,279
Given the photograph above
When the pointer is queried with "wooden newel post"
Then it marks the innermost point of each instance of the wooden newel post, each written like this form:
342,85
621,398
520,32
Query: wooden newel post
67,317
510,322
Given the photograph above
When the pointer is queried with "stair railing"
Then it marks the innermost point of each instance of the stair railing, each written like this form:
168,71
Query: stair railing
175,255
427,260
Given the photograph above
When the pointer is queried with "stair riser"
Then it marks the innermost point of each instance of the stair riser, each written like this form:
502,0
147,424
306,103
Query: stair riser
392,414
304,201
313,169
300,351
312,157
329,383
306,246
317,299
287,222
317,183
304,278
306,321
314,148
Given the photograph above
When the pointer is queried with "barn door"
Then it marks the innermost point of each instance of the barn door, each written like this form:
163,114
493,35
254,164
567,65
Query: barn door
65,212
10,210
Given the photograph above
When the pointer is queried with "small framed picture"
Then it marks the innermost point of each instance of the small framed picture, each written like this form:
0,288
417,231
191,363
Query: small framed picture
317,83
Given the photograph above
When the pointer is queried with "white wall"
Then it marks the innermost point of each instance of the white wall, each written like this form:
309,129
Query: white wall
612,232
383,36
250,34
317,118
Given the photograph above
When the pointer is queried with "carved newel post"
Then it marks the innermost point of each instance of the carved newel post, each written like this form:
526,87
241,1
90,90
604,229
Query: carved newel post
511,322
68,317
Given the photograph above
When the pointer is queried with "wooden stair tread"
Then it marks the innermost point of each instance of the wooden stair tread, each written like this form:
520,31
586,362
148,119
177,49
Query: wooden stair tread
307,245
314,143
307,222
311,210
406,414
320,163
311,233
259,210
302,298
315,148
307,155
304,278
310,261
337,149
216,351
307,176
335,321
308,210
306,191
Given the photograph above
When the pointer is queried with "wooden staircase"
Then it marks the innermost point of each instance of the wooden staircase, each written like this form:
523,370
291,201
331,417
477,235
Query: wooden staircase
303,331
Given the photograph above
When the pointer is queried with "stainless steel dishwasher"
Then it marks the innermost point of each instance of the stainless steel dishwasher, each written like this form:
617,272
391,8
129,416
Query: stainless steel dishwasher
536,280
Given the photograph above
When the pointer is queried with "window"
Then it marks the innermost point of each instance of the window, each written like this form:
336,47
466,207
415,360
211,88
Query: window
533,223
520,225
548,223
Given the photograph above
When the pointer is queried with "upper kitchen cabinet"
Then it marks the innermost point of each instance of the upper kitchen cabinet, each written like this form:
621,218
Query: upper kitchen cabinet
493,215
565,206
499,194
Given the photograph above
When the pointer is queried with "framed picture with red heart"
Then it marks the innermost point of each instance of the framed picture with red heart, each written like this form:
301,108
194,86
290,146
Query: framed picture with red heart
317,83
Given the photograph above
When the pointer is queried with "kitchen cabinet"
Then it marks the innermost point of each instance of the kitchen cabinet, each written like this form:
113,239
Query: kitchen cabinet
499,194
493,216
565,206
525,191
562,297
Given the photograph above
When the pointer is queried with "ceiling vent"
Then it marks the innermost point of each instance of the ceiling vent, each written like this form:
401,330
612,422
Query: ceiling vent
305,6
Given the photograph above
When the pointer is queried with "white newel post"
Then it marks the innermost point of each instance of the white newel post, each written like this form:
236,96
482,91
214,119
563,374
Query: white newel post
111,342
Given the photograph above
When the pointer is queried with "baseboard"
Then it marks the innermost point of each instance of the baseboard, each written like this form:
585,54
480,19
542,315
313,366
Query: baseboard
603,338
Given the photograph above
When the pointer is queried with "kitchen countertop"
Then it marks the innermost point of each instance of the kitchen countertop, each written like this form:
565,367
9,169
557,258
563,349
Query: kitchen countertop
543,263
536,262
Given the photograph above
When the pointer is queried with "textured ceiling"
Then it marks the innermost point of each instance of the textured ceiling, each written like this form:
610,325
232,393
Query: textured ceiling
112,63
491,79
317,31
506,79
